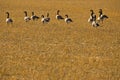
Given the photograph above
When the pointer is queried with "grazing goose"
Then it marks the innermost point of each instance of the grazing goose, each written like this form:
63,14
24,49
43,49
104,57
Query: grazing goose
67,19
91,16
44,20
8,19
26,18
34,17
101,16
58,16
94,23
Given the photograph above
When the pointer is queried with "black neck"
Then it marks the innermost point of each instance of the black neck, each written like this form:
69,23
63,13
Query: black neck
57,12
47,14
32,13
100,13
25,13
7,15
92,13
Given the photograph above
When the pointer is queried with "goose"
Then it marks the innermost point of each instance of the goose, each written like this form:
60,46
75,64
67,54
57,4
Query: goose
67,19
48,18
44,20
94,23
34,17
101,16
26,18
58,16
8,19
91,16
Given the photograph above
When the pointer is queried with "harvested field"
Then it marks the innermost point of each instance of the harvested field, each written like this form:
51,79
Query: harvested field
59,51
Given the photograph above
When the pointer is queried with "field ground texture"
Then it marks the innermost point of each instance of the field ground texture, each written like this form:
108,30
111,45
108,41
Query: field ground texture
57,51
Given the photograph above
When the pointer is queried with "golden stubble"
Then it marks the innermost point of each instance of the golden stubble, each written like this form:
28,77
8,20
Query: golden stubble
59,51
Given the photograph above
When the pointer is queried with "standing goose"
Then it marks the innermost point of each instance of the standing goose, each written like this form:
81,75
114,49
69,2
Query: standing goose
91,16
58,16
94,23
67,19
44,20
26,18
34,17
101,16
48,18
8,19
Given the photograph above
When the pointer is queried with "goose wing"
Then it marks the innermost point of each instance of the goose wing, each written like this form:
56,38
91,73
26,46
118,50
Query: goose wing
69,20
36,17
59,17
9,20
47,19
105,16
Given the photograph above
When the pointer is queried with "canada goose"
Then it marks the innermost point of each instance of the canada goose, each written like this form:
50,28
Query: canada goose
94,23
91,16
101,16
58,16
26,18
34,17
44,20
8,19
67,19
48,18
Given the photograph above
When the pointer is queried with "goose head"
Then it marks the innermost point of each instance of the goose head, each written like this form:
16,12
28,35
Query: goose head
42,16
25,11
91,10
100,10
7,12
66,15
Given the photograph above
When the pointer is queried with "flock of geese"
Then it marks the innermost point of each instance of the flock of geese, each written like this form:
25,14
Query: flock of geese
46,19
43,18
101,18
